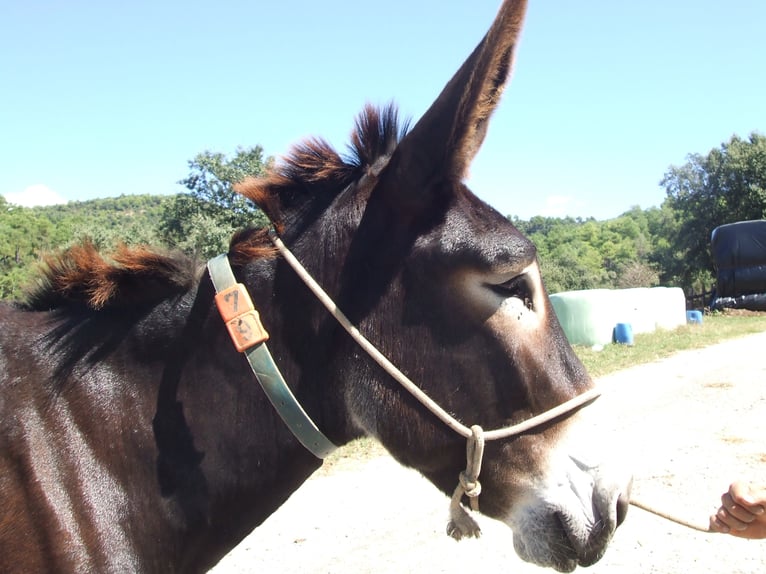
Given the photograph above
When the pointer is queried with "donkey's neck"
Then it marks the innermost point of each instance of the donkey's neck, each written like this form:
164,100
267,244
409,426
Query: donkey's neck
224,459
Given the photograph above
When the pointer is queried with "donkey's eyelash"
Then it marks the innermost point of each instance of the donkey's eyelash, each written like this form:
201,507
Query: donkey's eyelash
518,287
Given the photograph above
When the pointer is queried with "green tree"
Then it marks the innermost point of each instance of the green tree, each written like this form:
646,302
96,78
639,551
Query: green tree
27,234
128,219
201,221
586,254
24,236
726,185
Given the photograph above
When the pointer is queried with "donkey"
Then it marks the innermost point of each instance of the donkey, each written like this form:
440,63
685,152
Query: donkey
133,437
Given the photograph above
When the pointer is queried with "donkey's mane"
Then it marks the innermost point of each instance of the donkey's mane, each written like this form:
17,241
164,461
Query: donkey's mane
310,176
130,275
314,173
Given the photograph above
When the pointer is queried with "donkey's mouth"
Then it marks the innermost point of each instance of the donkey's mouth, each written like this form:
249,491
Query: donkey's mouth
562,541
553,550
583,552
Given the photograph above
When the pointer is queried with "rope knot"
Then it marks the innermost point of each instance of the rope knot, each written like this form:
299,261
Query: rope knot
461,523
471,488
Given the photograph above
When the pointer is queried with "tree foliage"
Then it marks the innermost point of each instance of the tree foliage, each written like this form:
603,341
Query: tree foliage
724,186
27,234
586,254
666,245
201,221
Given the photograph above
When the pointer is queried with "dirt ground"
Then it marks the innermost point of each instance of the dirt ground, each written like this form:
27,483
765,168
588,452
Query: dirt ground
689,425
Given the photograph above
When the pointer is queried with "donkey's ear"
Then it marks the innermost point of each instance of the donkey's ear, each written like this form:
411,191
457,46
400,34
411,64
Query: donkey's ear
445,140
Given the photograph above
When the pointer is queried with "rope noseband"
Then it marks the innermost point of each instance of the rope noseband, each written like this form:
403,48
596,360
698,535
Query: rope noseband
461,523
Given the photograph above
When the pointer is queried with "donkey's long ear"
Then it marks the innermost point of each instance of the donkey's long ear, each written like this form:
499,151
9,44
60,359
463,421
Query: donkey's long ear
445,140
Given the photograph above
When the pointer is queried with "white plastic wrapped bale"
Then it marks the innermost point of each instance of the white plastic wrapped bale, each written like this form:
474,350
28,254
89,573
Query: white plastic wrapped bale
669,307
635,306
587,317
648,309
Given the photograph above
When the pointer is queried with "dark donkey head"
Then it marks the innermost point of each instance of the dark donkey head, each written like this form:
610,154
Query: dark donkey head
451,292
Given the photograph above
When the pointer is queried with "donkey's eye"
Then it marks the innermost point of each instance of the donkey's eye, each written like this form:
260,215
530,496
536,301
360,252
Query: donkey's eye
519,287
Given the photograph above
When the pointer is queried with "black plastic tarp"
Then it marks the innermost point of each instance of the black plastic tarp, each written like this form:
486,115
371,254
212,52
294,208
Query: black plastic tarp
739,253
756,302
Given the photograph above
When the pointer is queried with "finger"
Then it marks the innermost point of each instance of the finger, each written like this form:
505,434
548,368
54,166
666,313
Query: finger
740,492
735,509
747,495
731,521
718,526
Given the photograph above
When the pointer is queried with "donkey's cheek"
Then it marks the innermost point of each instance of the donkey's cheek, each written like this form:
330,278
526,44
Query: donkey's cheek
514,316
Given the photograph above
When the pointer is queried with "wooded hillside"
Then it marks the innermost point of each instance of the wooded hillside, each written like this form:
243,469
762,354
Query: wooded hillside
667,245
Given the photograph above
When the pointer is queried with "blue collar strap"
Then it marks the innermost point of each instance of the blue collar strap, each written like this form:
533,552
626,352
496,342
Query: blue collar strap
249,336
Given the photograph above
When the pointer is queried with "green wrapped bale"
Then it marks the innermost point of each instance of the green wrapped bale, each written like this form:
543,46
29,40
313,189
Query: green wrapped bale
587,317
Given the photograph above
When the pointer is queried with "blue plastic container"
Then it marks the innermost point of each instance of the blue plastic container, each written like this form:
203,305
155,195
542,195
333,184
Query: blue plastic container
694,317
623,334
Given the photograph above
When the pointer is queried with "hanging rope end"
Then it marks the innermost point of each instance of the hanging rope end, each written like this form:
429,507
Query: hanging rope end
461,524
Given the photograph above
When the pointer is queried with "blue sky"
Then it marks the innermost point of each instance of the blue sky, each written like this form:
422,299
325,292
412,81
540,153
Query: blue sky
100,99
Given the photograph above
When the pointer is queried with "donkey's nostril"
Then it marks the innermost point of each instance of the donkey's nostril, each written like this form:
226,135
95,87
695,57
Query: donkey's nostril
622,508
623,502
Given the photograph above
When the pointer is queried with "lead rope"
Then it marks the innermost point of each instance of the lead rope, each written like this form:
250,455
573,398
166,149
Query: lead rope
662,514
461,523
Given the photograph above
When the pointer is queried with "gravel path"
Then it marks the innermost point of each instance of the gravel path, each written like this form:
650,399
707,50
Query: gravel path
689,424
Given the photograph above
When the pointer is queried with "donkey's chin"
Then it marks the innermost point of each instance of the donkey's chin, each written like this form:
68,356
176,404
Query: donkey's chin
561,541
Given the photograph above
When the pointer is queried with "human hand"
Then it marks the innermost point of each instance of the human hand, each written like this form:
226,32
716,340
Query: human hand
742,512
